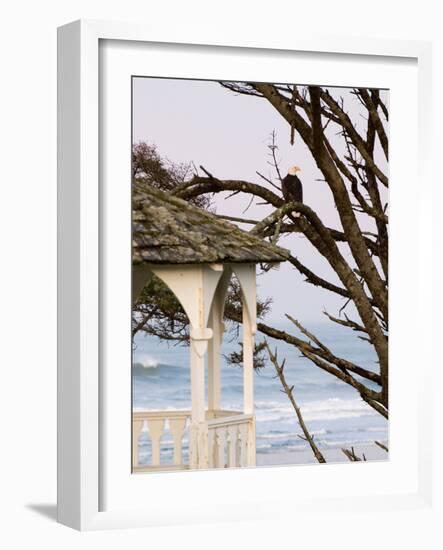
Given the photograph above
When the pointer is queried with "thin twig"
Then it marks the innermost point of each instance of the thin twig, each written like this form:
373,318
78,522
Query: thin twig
289,391
268,180
350,454
239,220
382,446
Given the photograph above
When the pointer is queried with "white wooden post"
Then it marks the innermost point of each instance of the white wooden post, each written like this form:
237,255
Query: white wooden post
156,427
251,448
177,427
214,346
246,276
136,430
198,417
201,290
233,440
195,286
248,364
221,446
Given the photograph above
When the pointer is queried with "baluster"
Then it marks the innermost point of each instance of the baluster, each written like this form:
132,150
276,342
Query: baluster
177,428
221,441
156,428
203,445
233,435
243,429
211,446
137,426
251,460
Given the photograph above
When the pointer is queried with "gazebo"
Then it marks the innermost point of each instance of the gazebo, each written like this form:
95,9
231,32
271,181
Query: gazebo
195,254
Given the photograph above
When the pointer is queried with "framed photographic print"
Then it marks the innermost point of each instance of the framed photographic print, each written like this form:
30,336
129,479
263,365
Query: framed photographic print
231,217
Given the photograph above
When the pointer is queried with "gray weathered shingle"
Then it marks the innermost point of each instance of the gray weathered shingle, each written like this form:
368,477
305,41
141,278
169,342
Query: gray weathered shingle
169,230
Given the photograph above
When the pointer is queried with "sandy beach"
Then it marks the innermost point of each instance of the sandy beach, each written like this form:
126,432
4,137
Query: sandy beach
332,455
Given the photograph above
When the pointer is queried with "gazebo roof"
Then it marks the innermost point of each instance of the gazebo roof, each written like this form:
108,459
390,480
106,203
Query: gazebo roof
169,230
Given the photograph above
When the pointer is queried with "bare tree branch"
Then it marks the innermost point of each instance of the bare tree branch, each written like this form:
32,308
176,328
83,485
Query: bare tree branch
353,175
350,454
382,446
374,116
289,390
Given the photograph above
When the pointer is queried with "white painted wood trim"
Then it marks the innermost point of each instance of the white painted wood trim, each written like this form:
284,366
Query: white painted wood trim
155,422
248,365
246,275
214,346
244,432
247,278
251,445
168,414
233,439
163,468
156,428
145,415
137,426
229,441
220,435
214,351
177,428
230,420
197,385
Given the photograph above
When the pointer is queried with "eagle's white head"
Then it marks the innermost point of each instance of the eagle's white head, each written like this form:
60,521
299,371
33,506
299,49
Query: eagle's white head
293,170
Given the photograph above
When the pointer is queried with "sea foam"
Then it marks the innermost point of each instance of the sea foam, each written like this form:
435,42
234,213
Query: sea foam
147,362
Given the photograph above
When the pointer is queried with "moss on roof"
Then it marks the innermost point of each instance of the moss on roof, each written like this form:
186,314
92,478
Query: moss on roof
169,230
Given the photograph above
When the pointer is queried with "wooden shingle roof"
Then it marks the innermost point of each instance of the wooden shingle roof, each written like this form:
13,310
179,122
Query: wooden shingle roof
169,230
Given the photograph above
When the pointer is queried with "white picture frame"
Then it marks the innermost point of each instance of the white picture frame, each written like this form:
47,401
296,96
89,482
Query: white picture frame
80,411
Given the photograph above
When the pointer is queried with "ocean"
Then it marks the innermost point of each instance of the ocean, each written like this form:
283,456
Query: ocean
332,410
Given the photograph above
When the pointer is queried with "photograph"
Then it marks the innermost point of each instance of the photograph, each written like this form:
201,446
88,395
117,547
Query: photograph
219,194
259,274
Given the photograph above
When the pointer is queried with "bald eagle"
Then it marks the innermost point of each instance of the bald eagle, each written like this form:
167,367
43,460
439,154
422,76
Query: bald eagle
292,188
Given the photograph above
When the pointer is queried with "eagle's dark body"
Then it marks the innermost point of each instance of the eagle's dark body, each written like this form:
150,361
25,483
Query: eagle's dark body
292,188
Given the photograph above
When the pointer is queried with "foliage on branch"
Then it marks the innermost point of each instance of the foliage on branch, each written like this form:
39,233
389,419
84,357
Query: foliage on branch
235,358
150,168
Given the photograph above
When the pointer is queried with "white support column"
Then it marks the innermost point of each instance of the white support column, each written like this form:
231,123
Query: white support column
198,347
246,276
248,364
214,347
198,447
195,286
214,383
251,452
248,382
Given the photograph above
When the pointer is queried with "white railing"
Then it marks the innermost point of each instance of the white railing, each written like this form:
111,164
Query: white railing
156,425
231,441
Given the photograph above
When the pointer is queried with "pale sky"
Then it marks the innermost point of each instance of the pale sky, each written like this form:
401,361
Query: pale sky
228,134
